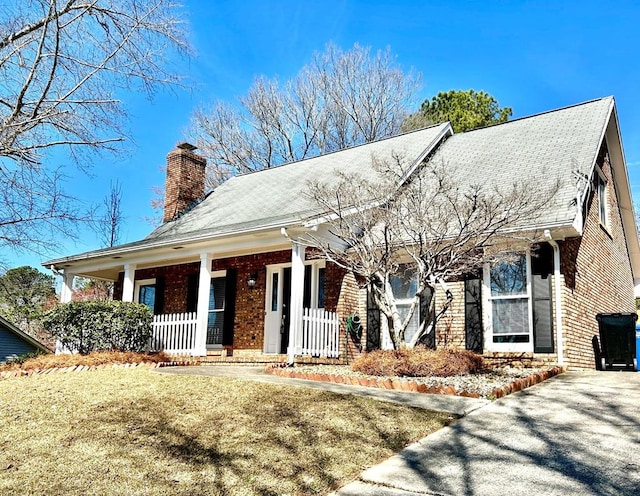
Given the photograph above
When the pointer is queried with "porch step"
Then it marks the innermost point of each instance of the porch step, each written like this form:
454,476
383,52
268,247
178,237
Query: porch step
217,353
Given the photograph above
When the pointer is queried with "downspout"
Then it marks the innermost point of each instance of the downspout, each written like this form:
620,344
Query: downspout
558,294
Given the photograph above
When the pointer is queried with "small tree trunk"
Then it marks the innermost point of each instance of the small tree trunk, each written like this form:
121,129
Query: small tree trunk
426,329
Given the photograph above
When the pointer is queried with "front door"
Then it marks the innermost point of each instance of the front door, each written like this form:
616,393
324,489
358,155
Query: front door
276,322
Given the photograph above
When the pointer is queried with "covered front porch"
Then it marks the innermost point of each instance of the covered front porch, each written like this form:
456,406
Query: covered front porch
264,305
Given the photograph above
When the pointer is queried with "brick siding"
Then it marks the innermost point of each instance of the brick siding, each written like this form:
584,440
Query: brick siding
596,274
248,335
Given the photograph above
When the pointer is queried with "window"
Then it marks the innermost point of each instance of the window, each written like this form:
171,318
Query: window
601,185
314,283
215,321
145,293
274,292
509,315
404,287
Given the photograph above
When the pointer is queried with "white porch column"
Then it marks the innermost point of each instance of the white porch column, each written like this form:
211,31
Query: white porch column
204,286
66,290
297,301
129,282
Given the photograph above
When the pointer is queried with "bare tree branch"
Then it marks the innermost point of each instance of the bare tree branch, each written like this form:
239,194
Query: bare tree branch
340,99
62,64
110,219
435,225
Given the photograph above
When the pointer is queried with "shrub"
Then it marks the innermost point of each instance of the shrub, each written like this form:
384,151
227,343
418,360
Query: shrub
418,362
86,326
51,361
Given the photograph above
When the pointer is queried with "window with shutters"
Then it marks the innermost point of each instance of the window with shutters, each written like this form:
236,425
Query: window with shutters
145,293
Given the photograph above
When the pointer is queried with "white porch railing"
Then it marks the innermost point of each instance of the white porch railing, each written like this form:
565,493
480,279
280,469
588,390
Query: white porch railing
174,333
320,333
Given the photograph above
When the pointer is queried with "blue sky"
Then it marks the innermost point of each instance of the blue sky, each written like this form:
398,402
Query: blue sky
531,55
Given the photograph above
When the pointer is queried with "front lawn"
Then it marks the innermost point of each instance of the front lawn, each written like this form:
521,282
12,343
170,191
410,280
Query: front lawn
131,431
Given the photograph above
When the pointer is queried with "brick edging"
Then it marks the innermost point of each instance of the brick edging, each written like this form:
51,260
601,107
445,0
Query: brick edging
7,374
410,384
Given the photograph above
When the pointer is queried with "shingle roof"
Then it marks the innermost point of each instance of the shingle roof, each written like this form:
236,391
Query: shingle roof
278,195
544,147
540,149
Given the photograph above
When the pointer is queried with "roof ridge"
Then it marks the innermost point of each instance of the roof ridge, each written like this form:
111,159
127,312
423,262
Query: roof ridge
353,147
524,117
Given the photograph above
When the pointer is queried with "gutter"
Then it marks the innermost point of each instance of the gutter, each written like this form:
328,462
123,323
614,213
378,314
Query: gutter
558,295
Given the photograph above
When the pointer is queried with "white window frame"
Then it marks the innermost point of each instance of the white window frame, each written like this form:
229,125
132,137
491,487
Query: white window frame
316,265
217,274
406,302
139,284
487,303
601,191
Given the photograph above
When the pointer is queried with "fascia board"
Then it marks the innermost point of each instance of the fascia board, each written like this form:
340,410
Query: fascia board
623,192
141,247
579,221
446,131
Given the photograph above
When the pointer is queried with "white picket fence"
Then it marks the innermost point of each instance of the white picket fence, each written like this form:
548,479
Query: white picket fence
174,333
320,333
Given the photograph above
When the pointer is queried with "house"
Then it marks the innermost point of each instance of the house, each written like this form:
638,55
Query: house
227,273
14,342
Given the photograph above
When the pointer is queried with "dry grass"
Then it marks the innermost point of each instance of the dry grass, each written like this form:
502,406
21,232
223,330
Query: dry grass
135,432
418,362
50,361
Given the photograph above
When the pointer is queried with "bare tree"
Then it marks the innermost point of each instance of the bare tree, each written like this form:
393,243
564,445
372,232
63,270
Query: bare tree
434,225
62,63
108,224
340,99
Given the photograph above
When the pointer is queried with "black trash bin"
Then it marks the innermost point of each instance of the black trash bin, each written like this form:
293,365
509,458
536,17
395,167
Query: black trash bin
617,340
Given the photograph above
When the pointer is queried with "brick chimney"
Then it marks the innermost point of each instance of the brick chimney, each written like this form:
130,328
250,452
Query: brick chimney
184,185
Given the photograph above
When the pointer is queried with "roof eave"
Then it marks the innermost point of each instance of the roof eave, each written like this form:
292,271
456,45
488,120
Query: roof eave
623,191
142,246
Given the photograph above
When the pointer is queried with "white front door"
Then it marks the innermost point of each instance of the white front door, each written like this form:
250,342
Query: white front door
273,310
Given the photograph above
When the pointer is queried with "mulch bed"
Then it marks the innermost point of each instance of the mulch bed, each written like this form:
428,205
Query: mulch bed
488,384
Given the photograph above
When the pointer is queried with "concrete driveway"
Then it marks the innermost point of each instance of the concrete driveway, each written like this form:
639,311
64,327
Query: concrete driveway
576,434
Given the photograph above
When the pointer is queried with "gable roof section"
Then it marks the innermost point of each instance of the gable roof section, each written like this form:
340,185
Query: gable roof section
556,145
278,196
8,326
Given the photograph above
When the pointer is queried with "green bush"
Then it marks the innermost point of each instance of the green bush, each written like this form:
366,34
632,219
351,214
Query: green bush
418,362
86,326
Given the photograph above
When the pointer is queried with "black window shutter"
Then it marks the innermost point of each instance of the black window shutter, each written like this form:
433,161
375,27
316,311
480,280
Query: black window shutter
229,307
542,315
427,316
193,281
473,315
158,304
373,324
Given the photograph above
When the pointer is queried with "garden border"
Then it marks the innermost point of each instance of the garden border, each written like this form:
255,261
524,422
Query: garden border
405,384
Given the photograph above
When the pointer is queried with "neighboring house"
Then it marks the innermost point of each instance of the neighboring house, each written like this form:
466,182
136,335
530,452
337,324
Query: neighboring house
14,342
227,271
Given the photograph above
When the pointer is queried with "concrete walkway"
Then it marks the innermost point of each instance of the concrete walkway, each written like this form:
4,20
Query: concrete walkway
576,434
